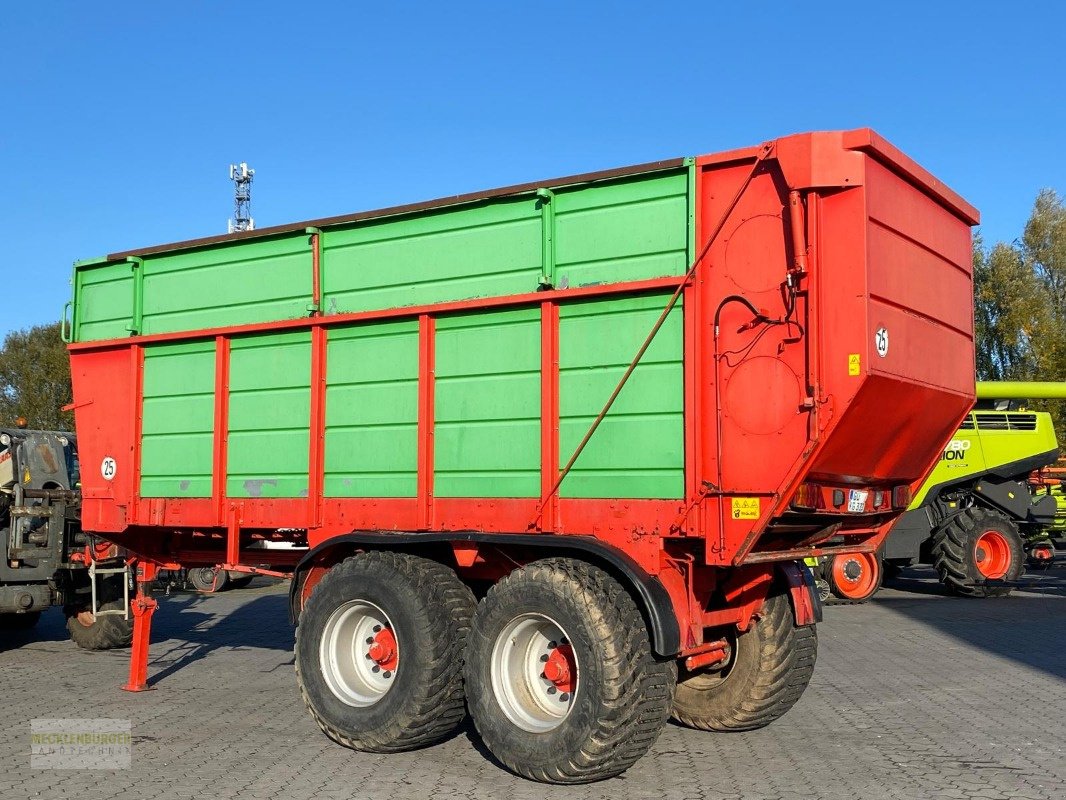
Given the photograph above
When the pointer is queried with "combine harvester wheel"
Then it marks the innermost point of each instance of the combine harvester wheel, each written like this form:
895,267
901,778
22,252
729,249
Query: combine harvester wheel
979,553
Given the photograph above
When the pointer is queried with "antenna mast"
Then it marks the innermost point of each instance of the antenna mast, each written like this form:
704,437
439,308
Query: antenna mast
242,197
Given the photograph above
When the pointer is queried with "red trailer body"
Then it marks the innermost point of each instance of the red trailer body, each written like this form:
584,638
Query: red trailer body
827,357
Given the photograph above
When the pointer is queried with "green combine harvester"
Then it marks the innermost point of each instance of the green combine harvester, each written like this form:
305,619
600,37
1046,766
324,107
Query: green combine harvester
976,519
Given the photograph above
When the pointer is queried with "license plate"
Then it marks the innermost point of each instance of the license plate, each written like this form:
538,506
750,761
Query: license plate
857,500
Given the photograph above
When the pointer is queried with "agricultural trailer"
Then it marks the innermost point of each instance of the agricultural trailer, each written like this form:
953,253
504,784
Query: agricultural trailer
558,450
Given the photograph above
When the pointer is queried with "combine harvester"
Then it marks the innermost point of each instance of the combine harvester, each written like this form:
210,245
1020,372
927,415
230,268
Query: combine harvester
557,449
981,514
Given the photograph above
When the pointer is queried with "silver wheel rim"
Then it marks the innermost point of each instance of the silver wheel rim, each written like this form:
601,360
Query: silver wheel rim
520,658
347,653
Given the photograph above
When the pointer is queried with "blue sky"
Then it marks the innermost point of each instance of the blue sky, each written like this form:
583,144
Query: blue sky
118,119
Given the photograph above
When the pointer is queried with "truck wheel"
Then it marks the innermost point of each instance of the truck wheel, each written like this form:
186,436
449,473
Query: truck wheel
19,622
561,681
770,666
854,577
379,651
208,579
103,632
978,553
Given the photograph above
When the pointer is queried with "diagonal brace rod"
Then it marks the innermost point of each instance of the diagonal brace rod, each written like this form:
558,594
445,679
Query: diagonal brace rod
764,152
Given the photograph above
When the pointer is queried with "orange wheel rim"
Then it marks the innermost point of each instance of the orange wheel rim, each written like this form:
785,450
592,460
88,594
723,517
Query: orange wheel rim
992,555
855,574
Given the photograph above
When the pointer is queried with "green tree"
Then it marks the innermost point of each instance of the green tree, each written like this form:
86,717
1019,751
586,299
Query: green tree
35,379
1007,299
1020,303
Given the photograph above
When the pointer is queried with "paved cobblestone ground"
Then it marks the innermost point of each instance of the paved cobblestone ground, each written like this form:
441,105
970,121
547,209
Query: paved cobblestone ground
916,695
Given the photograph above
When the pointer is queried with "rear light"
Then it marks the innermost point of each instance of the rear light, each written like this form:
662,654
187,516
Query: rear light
901,496
879,498
808,497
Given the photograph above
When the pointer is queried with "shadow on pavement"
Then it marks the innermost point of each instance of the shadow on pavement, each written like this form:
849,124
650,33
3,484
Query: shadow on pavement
189,626
1027,627
923,580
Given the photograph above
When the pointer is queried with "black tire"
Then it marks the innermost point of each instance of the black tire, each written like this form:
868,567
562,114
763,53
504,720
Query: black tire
429,609
956,557
19,622
1040,555
623,693
240,582
103,632
770,666
849,578
207,579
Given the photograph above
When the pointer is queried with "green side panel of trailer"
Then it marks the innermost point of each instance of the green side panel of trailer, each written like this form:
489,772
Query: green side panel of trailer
269,415
485,250
234,284
622,231
178,420
638,450
371,437
629,228
487,404
104,295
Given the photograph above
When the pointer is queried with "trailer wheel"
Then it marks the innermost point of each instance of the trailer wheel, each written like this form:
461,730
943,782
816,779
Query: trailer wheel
561,681
978,553
854,577
103,632
379,651
19,622
770,666
208,579
239,582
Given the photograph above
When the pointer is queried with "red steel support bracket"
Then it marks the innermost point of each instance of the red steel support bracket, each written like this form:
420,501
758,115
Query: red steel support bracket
806,609
233,533
711,653
744,593
143,606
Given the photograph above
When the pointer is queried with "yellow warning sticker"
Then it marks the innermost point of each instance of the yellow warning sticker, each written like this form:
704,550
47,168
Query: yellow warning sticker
854,364
745,507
